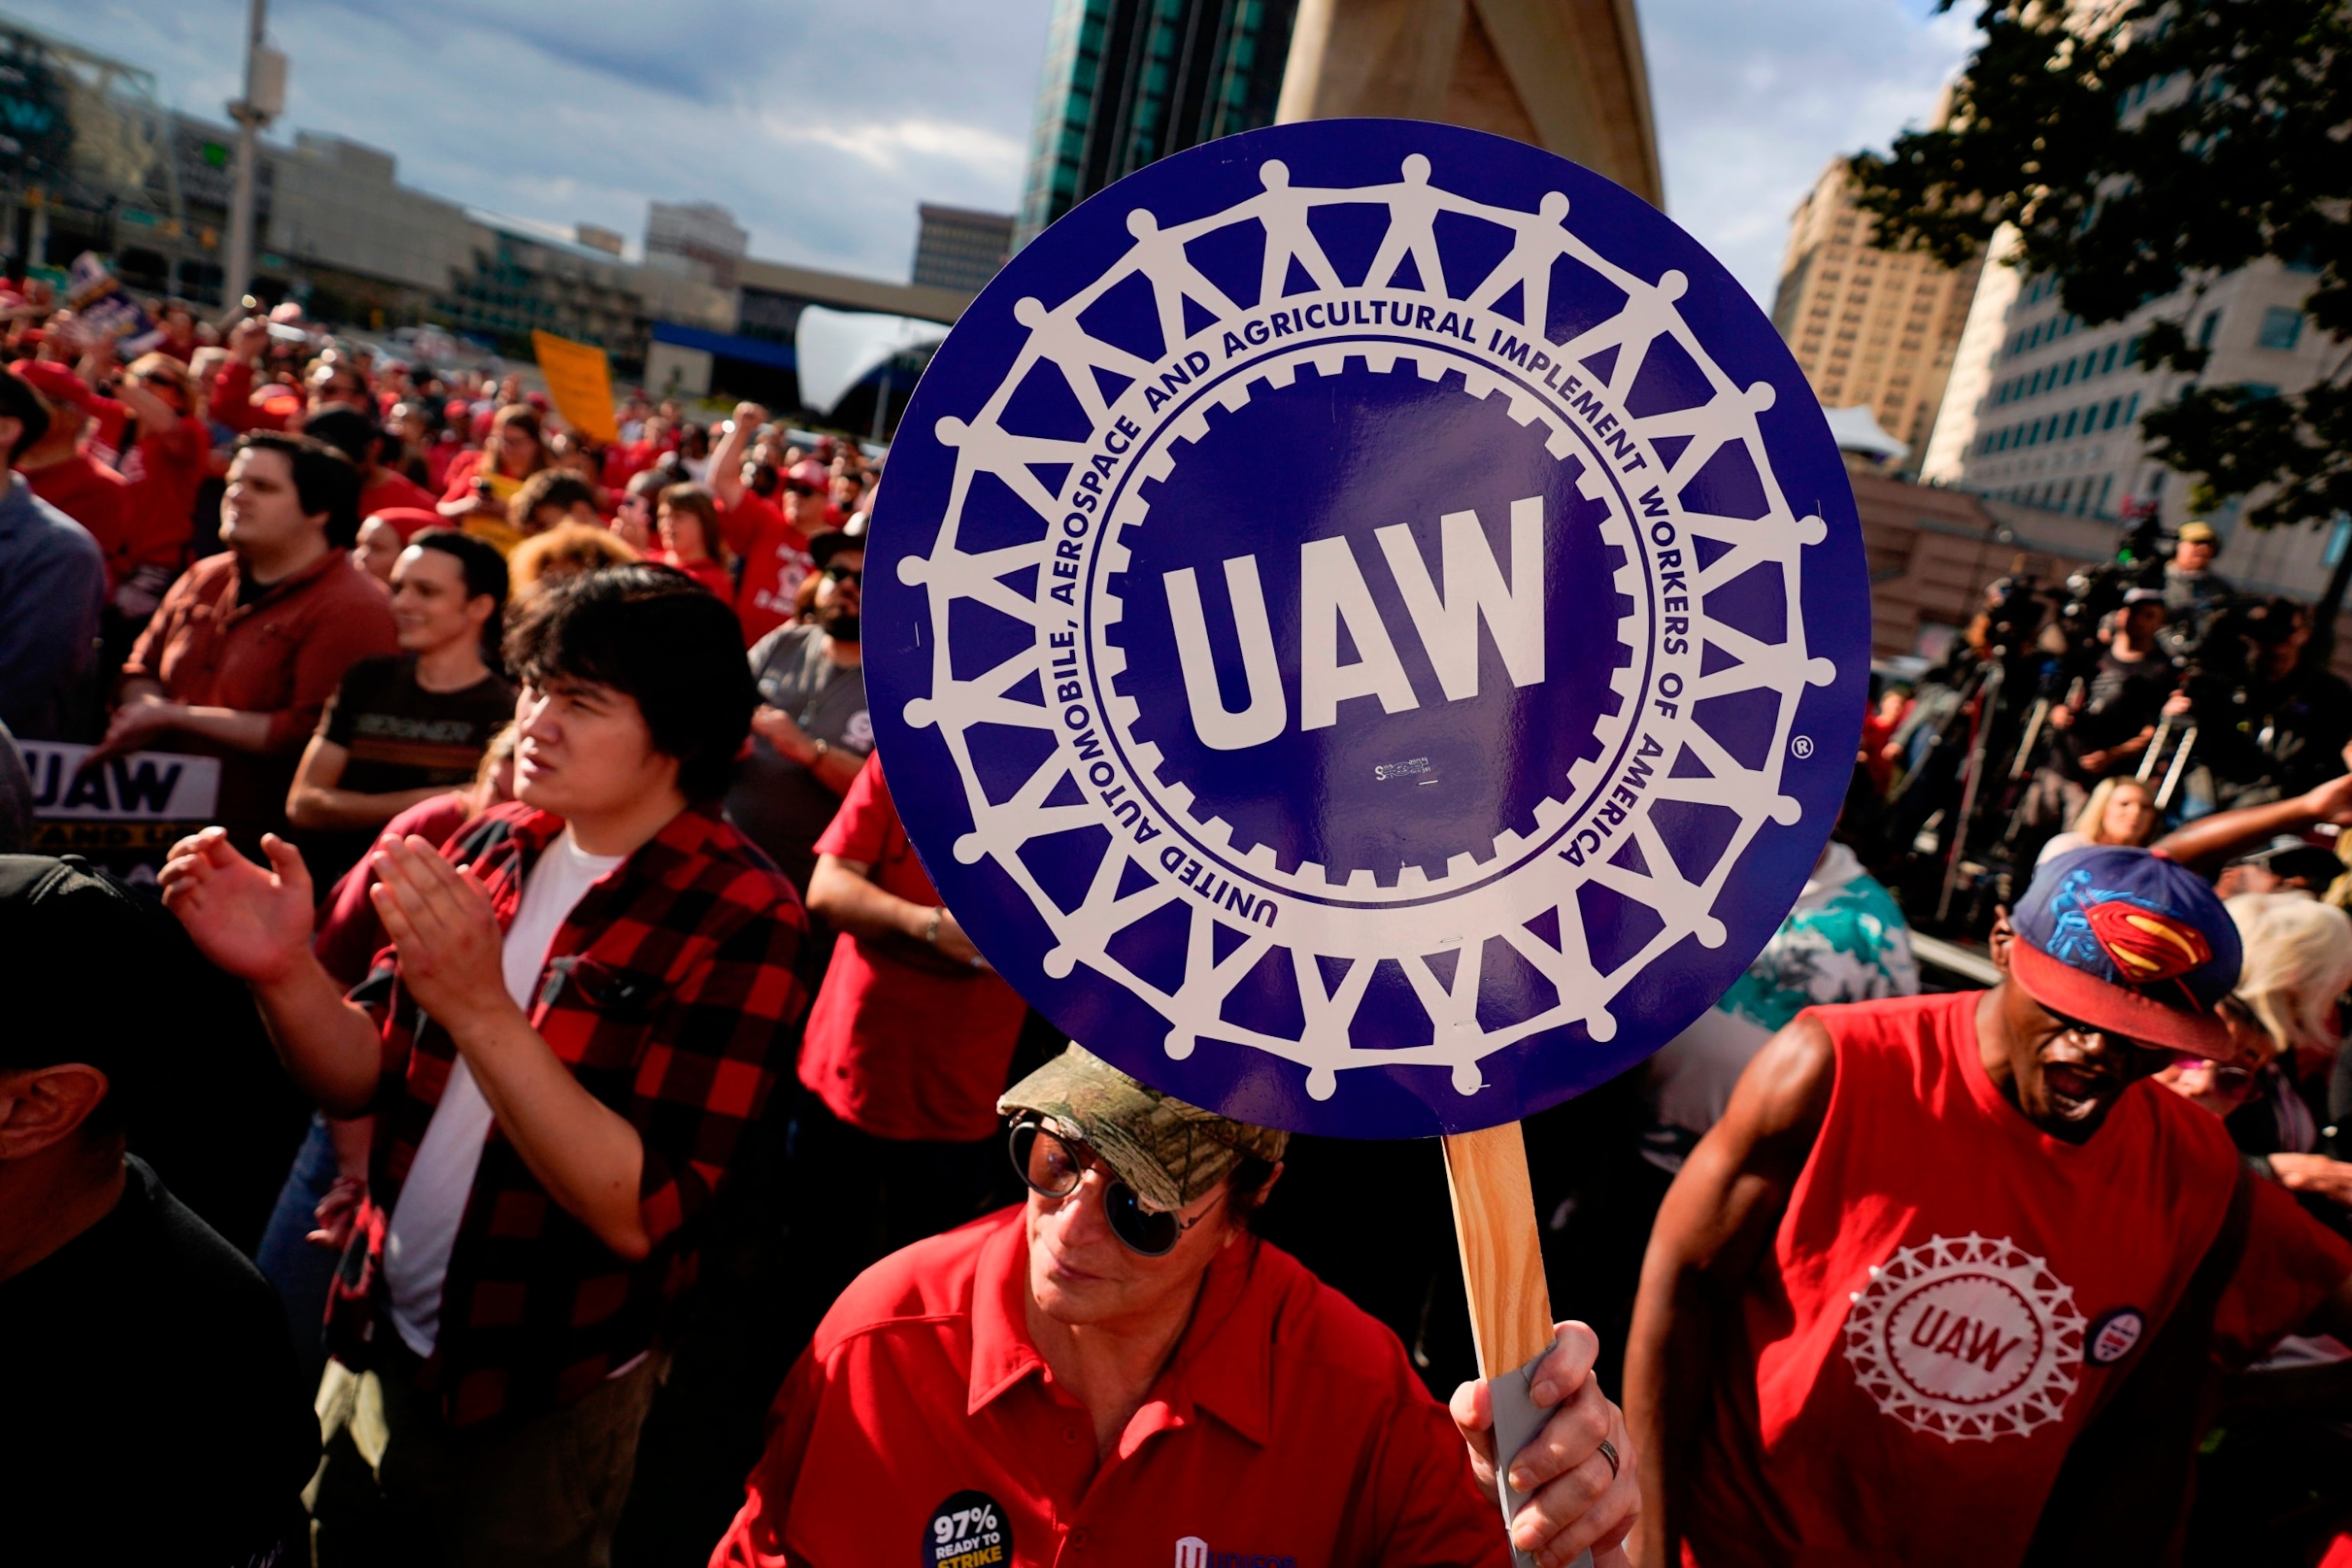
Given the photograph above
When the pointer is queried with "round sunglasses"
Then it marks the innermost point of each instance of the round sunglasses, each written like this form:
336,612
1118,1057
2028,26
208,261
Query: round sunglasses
1053,1166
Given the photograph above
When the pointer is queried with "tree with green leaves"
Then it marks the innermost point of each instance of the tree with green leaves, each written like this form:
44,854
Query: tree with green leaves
2141,149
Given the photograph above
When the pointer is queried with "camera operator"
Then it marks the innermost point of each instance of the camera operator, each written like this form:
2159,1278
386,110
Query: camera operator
2270,723
2197,597
2190,583
2102,725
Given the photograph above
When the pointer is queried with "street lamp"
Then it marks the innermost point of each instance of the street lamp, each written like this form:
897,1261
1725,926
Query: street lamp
264,101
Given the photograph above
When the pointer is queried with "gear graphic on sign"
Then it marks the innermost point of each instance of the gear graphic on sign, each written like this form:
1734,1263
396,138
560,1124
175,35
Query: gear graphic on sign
1608,734
1969,1338
1572,913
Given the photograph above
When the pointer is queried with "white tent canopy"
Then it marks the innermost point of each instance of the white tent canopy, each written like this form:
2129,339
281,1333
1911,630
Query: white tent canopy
838,349
1856,430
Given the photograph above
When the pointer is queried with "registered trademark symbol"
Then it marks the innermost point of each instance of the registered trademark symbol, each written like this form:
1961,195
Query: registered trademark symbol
1803,746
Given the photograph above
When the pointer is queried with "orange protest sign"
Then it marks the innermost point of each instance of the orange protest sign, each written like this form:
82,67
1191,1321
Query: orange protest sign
580,380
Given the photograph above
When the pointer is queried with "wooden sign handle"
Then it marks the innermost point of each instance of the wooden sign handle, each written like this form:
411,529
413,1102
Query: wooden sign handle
1502,1252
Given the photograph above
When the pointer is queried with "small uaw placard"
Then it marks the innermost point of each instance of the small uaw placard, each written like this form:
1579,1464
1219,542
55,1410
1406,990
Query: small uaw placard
1367,626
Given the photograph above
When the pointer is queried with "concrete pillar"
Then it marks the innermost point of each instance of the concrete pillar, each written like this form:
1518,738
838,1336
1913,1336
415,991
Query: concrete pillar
1566,75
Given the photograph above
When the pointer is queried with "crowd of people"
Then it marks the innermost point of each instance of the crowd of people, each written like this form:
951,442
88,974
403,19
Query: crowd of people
2138,695
547,1116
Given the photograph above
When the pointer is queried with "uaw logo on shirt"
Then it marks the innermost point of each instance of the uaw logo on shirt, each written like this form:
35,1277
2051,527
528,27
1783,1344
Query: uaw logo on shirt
1367,626
1969,1338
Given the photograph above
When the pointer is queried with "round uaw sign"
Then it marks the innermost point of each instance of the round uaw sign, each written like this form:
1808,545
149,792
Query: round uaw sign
1367,626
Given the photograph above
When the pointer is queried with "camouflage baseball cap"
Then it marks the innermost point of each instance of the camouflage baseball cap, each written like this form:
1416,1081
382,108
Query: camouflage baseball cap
1169,1152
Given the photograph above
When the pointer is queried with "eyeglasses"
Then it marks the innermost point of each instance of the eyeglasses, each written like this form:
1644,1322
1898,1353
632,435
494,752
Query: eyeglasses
844,574
1053,1167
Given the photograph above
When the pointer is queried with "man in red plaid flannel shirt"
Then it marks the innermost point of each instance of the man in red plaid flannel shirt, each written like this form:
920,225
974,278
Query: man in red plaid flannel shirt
575,1025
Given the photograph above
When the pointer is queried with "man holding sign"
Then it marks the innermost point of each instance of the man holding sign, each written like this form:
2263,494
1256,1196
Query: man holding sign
1360,625
1119,1370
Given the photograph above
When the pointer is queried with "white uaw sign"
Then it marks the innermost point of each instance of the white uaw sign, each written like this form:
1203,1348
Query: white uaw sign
1364,623
139,801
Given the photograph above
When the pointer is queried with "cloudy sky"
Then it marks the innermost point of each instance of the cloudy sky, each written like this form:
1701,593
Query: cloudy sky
823,124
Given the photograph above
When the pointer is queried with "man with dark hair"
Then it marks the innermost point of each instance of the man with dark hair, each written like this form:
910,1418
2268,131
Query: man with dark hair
1119,1371
402,729
249,643
52,591
151,1387
589,994
1945,1284
357,436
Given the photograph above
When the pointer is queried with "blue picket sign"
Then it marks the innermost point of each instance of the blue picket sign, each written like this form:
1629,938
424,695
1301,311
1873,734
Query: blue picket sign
1367,626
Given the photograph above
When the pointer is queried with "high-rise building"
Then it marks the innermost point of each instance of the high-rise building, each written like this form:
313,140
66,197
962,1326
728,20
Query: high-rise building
2046,411
1877,329
701,238
956,247
1128,81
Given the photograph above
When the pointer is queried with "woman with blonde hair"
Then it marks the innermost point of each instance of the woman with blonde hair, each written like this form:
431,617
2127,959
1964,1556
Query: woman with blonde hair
2282,1025
2298,961
2121,811
565,551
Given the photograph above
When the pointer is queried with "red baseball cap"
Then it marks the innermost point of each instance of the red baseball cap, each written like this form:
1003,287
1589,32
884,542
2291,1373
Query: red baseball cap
54,382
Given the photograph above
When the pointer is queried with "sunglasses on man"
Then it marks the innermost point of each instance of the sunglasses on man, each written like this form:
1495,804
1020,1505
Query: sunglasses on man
844,574
1053,1166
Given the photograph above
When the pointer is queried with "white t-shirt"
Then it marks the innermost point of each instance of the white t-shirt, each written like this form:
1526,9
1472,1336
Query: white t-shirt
423,1228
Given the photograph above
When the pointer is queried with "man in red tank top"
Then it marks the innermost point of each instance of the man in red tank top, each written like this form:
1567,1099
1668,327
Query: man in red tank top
1942,1286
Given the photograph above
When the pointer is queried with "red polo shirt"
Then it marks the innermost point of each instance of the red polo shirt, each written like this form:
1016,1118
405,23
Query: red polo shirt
896,1049
775,560
1287,1428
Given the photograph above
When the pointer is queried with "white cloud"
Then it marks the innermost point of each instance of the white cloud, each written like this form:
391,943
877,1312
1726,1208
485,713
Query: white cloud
892,144
822,131
1753,98
823,125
